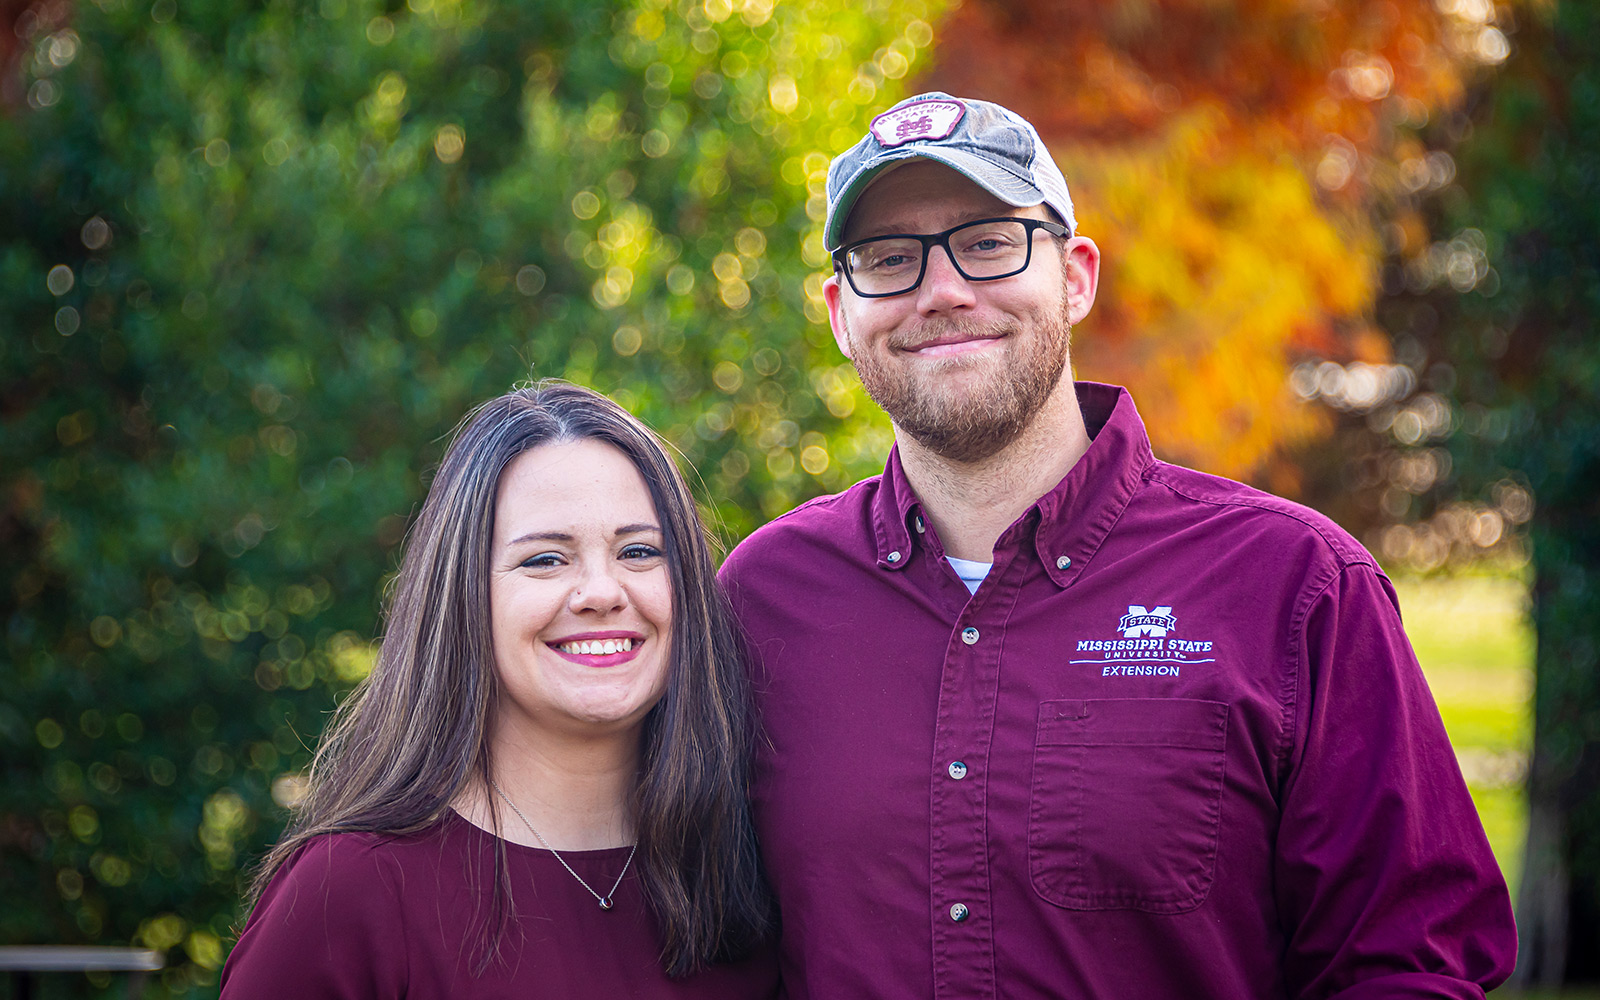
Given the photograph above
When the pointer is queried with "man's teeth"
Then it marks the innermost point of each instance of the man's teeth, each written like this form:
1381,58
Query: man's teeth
597,647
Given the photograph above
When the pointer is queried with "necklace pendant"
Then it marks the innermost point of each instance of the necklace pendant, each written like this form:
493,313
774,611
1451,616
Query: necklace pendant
605,901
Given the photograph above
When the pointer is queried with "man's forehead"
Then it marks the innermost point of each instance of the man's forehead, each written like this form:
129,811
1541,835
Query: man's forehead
917,193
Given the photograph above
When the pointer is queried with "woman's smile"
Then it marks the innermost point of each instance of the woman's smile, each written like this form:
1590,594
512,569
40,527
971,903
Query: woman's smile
599,649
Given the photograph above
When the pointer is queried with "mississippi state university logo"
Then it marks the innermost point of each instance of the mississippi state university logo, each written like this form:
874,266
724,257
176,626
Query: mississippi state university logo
1148,646
1139,621
918,120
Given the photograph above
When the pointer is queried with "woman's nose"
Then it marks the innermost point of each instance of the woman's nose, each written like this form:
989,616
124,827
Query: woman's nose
598,589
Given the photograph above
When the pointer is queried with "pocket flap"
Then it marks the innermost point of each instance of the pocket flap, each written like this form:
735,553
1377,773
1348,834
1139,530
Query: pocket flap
1154,722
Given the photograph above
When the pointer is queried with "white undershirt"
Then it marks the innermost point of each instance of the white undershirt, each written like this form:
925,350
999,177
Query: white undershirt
971,573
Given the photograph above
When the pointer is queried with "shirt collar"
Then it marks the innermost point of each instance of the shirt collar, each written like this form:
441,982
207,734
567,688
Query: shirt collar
896,515
1072,519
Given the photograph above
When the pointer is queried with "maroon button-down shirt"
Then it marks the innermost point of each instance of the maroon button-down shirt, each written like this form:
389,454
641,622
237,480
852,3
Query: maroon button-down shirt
1176,745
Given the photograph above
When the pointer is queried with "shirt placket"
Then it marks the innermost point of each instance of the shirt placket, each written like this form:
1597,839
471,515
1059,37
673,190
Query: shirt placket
960,896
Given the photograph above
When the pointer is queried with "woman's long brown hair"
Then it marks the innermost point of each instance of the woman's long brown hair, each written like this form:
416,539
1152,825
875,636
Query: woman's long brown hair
415,734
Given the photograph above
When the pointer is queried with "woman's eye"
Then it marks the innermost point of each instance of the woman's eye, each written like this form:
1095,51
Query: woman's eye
543,560
640,551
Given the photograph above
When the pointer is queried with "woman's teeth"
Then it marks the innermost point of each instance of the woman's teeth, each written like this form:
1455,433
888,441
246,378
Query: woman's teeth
597,647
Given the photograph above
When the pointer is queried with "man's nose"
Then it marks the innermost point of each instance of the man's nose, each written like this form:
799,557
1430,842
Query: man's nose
943,288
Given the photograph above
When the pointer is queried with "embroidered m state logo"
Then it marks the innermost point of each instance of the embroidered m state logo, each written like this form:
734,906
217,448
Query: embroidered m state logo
922,120
1145,645
1141,621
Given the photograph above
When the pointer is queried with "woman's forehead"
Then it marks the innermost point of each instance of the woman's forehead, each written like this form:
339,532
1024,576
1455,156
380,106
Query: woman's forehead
585,486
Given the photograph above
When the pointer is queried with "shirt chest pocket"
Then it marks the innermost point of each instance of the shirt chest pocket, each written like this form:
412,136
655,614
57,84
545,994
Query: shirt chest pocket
1126,802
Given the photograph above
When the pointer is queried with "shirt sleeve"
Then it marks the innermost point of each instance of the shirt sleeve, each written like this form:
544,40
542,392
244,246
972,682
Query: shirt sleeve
328,926
1384,877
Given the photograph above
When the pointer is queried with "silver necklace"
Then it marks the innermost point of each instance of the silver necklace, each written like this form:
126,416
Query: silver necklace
605,901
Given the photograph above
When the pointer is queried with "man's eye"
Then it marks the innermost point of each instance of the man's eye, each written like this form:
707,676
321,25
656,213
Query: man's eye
987,244
885,258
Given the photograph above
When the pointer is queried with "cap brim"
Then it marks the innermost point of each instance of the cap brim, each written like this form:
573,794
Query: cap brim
1003,184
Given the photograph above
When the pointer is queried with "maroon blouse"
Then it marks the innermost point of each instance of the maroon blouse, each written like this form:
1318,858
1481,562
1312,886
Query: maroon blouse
360,915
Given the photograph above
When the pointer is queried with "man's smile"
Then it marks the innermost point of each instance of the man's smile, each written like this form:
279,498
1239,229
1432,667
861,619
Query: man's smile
948,339
954,344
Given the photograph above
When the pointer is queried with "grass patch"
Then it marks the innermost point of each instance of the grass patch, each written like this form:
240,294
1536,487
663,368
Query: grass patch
1474,640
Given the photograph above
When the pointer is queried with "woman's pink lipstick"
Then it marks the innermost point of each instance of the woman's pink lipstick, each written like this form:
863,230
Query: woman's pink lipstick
595,657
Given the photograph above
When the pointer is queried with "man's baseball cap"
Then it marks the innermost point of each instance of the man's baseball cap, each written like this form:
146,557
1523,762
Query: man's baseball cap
996,148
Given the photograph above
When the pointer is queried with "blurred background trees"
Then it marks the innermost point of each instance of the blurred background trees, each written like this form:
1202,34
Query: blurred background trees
1516,367
1243,166
257,259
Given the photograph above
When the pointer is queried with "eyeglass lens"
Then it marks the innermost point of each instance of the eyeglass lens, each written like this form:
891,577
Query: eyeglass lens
994,248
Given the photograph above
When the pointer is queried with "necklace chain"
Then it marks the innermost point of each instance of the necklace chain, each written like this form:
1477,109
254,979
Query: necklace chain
605,901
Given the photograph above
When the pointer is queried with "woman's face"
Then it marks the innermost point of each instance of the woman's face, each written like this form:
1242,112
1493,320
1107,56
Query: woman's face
579,595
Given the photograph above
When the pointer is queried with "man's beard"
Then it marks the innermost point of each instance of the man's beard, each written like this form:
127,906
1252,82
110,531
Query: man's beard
972,426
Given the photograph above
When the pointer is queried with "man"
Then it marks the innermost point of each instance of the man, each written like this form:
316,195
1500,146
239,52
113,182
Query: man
1047,717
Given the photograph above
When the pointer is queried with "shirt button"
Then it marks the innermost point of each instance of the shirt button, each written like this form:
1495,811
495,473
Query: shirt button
920,526
1063,562
894,557
969,635
958,770
959,912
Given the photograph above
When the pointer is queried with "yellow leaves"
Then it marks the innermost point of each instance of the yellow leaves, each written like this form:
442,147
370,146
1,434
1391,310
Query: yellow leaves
161,932
1219,262
838,389
648,25
585,204
627,340
351,658
783,94
1232,159
751,242
204,949
727,376
449,143
225,819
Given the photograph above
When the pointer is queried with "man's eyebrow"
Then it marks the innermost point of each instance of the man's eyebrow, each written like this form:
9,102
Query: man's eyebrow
959,220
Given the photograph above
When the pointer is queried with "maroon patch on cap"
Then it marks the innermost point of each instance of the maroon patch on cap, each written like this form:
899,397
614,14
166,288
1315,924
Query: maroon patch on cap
921,121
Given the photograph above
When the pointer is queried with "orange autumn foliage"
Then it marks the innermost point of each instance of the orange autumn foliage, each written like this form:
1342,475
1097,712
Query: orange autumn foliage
1234,160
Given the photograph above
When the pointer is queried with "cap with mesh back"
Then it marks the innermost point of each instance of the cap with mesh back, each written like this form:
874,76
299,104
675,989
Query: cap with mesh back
994,147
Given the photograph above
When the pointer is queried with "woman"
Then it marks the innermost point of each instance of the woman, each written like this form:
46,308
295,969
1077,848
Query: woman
540,789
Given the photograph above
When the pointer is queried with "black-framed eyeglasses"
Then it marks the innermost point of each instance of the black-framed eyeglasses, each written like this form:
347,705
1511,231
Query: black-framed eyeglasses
984,250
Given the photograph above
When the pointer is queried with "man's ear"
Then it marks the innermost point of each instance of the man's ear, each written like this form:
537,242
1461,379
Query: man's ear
833,295
1081,270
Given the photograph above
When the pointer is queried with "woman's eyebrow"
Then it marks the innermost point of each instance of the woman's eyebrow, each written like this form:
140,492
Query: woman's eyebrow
562,536
541,536
636,529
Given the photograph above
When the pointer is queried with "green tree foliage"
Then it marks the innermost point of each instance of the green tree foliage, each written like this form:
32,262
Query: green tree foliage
1518,363
255,261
